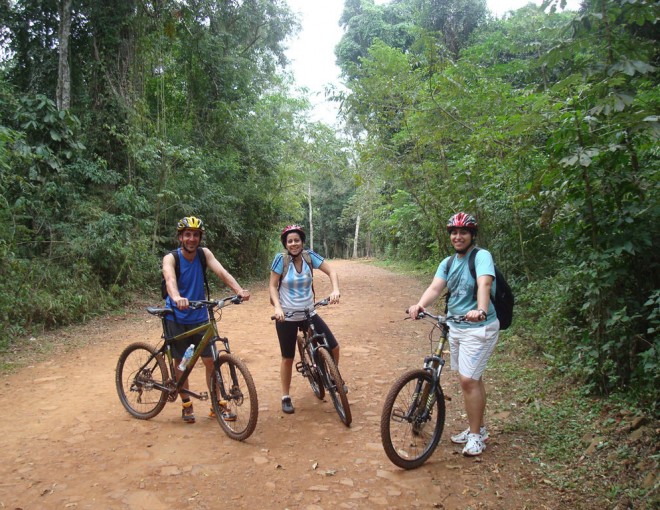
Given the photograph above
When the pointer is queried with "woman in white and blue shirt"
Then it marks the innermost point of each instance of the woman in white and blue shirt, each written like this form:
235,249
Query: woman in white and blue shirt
294,292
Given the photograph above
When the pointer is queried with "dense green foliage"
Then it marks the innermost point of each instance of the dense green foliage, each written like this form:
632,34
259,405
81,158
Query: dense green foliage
176,108
544,124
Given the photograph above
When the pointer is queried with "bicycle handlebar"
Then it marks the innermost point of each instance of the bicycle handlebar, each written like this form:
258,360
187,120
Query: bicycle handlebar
323,302
441,318
220,303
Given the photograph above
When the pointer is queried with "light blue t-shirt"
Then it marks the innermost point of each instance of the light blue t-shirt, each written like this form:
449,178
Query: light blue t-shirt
296,287
461,285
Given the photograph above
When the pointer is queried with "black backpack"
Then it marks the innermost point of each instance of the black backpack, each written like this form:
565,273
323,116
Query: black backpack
177,270
503,300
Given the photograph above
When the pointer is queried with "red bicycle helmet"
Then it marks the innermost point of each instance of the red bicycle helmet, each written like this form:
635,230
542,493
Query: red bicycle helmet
462,220
292,228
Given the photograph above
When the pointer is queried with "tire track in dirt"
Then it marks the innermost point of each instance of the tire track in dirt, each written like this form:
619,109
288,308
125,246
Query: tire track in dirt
68,443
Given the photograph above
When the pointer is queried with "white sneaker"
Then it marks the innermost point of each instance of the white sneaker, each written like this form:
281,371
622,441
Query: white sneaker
474,446
462,438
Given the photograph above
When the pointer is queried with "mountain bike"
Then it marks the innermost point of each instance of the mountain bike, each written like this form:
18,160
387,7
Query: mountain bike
146,379
317,364
413,415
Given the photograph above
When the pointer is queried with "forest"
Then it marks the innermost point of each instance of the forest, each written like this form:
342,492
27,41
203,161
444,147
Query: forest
119,117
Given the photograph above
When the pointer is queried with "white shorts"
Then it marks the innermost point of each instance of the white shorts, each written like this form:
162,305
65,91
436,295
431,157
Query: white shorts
471,348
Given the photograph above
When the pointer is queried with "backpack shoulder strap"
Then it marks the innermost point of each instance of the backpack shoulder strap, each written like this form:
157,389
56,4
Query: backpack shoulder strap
308,258
202,259
450,262
473,271
286,259
177,263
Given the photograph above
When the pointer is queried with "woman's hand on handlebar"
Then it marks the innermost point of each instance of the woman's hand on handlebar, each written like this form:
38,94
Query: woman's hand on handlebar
279,314
334,297
415,310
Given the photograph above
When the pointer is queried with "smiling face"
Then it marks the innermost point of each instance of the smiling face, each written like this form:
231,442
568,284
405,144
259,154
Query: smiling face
294,243
190,239
461,239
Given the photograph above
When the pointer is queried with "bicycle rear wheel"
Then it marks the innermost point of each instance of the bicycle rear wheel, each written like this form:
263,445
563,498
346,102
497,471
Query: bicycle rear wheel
409,431
309,369
335,386
138,369
234,397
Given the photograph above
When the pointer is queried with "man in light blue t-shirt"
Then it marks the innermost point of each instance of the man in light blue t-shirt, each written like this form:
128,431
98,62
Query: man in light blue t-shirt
472,342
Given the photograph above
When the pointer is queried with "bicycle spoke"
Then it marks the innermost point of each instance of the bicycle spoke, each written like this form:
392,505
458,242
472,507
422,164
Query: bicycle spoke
335,386
234,397
411,425
136,379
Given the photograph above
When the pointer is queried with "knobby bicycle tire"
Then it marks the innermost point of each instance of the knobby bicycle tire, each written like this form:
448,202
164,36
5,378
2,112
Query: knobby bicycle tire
239,397
310,371
335,386
135,380
410,435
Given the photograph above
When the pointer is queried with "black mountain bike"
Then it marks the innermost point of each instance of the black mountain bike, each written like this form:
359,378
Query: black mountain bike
317,364
413,415
146,379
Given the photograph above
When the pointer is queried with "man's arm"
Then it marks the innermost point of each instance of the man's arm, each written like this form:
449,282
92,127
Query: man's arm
169,273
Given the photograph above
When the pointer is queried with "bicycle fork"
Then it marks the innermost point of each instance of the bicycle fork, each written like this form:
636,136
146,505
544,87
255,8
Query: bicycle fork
424,396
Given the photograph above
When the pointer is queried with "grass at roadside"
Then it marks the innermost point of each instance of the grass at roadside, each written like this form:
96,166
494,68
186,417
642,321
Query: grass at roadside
600,452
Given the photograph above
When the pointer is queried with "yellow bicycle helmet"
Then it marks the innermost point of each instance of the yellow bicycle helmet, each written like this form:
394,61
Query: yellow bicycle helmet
190,222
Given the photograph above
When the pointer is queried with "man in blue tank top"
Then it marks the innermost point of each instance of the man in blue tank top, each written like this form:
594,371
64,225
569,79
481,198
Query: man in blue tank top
190,287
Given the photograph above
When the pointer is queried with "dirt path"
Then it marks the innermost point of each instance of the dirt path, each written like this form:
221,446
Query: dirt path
68,443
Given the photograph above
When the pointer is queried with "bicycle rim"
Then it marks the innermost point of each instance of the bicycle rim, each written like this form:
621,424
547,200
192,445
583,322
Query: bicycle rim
234,397
135,377
410,432
335,386
311,372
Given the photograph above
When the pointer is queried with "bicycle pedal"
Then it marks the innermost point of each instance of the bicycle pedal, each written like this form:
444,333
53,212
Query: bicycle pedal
203,395
300,367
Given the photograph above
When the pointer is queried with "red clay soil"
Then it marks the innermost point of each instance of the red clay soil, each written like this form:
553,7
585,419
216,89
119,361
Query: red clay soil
68,443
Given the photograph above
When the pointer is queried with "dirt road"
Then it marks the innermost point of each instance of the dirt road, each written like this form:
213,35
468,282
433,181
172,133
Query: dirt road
67,442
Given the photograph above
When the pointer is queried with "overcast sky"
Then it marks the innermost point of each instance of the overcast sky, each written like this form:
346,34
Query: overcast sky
312,53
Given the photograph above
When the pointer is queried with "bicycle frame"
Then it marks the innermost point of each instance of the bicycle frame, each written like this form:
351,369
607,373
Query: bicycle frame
433,364
312,337
210,336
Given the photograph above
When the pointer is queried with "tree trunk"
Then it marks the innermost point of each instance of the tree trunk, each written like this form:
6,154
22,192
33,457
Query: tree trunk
311,224
355,240
63,92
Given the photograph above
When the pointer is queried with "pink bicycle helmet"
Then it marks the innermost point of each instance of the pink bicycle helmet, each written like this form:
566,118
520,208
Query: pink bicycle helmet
462,220
292,228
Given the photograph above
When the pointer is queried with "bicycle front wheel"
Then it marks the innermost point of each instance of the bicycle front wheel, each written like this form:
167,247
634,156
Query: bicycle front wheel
234,397
335,386
139,368
412,419
310,370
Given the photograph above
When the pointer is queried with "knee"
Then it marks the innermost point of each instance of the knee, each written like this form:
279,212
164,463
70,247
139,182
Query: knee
469,385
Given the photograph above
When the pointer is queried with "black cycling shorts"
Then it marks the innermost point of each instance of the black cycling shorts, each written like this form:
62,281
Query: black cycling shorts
287,332
179,348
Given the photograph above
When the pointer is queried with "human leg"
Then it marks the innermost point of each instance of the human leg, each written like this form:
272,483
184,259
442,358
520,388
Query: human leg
471,349
286,334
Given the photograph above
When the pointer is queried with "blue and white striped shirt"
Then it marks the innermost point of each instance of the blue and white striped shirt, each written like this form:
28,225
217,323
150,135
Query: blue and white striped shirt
296,287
